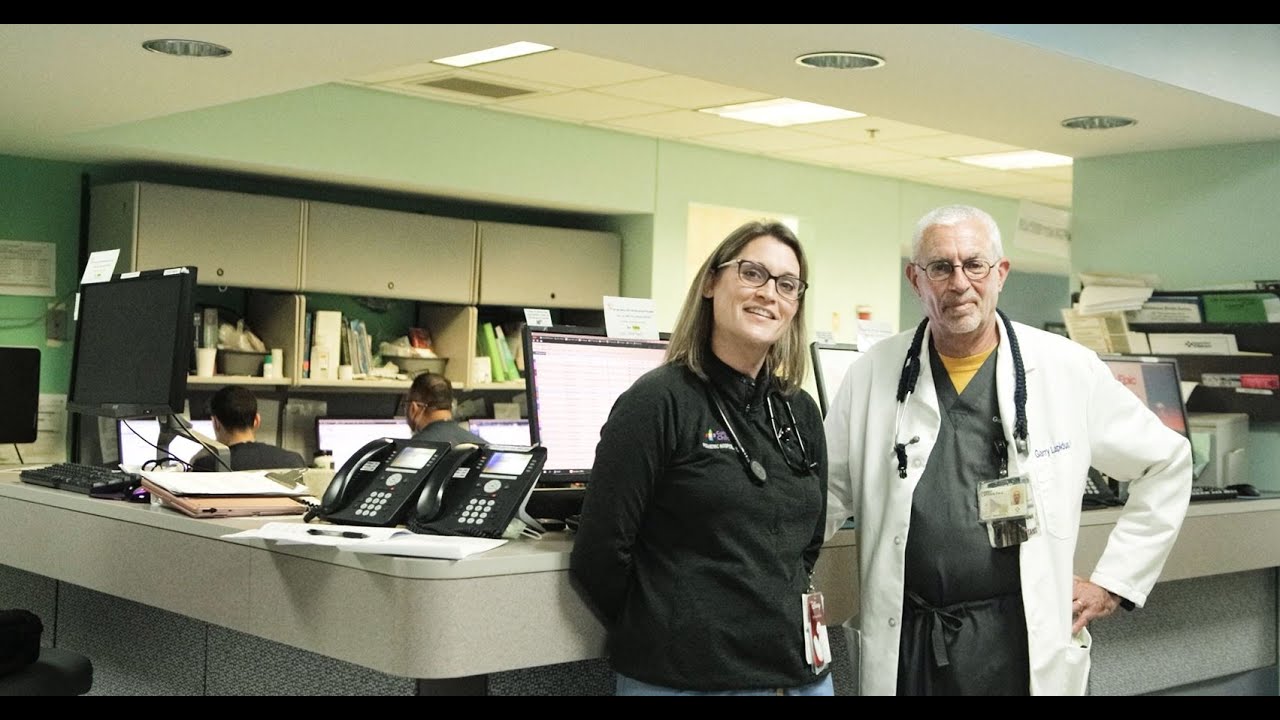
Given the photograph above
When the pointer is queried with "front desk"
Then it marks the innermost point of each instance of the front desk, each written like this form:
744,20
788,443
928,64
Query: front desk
447,624
259,618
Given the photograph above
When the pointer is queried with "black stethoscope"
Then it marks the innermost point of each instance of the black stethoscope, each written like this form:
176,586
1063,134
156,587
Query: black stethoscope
754,466
911,373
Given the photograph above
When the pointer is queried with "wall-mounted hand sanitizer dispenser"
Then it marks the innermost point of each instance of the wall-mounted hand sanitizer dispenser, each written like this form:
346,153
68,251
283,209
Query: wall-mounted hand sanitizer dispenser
1227,447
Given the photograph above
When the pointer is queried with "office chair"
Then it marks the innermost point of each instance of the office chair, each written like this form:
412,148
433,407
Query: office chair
26,668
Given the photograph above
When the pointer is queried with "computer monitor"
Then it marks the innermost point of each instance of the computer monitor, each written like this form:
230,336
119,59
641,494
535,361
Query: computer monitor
344,436
573,376
133,344
20,388
830,362
138,437
1156,381
501,431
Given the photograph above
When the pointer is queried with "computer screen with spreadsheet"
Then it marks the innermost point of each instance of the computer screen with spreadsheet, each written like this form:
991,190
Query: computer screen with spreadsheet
344,436
500,431
573,376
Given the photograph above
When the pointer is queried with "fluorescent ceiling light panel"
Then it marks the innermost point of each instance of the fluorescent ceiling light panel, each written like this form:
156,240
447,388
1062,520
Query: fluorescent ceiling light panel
502,52
781,112
1016,160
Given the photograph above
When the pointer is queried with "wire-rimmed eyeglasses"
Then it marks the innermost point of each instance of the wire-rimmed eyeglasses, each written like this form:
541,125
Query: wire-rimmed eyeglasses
940,270
753,274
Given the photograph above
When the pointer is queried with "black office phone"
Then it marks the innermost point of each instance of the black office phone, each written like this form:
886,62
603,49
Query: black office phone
486,492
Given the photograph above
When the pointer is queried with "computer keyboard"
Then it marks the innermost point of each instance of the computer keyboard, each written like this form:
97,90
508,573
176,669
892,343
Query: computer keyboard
79,478
1200,492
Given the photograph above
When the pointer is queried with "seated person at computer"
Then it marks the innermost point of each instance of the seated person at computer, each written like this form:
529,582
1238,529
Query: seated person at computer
235,424
429,411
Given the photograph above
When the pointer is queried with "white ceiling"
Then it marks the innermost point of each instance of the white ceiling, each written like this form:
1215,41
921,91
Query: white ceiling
945,90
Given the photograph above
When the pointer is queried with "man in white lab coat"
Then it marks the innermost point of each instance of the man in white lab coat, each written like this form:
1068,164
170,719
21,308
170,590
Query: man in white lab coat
961,450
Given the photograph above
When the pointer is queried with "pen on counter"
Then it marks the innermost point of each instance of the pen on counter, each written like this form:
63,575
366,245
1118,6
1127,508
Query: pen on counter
336,533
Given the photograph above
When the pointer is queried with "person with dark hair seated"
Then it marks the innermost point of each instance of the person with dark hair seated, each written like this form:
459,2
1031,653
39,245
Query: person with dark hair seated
429,411
235,424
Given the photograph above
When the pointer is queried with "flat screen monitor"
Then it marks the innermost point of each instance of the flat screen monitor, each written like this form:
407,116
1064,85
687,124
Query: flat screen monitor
344,436
830,362
573,376
1157,383
133,344
501,431
138,437
20,390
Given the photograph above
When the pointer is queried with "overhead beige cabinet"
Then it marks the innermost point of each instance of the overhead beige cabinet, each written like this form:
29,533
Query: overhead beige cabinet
368,251
523,265
234,239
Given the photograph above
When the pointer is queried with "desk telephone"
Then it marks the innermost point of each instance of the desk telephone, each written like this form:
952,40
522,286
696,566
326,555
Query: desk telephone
433,487
1098,492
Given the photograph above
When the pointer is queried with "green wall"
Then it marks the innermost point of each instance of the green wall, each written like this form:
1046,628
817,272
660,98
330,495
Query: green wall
1194,217
40,202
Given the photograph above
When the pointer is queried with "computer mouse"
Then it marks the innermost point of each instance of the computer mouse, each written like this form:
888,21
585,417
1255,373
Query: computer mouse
1245,490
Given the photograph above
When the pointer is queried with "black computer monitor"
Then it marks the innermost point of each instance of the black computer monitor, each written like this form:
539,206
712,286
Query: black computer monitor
20,390
830,362
1156,381
133,344
573,376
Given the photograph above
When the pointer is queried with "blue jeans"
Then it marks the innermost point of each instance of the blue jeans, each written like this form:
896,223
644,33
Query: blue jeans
631,686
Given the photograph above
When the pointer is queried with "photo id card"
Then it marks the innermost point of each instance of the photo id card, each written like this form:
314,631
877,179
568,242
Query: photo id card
817,646
1004,499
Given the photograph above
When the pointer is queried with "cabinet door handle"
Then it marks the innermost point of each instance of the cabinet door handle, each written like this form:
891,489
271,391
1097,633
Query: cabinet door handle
220,272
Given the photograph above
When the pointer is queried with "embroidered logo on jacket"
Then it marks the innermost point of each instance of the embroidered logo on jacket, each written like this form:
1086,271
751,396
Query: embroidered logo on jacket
714,439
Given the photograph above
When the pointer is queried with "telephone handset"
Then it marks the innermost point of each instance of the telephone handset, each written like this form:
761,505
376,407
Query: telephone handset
1098,493
481,495
380,483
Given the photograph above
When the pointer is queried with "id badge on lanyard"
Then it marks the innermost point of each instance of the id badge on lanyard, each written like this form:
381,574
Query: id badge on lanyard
1006,505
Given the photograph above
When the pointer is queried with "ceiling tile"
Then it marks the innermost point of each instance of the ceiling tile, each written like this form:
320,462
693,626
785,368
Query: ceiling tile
767,140
682,92
581,106
948,146
859,130
913,168
561,67
677,124
856,155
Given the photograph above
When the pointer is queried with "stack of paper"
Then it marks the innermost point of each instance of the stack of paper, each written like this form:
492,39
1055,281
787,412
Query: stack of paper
1095,299
261,483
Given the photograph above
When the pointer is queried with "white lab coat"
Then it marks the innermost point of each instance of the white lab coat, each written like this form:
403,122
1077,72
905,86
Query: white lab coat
1078,415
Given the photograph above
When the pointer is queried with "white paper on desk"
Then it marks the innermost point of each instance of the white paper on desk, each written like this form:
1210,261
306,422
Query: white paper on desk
223,483
448,547
295,533
376,540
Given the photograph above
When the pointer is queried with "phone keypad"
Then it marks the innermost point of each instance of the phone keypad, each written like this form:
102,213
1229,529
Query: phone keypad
373,503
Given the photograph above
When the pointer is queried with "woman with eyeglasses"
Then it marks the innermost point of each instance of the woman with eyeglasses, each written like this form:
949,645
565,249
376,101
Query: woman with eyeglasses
704,516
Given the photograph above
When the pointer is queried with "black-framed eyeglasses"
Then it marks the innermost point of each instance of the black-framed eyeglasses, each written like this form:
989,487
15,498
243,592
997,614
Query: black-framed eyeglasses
940,270
753,274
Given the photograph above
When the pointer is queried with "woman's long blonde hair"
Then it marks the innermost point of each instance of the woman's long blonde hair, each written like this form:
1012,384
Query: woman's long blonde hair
787,359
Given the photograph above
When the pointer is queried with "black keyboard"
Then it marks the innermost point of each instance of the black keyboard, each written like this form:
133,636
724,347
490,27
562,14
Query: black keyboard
1199,492
84,479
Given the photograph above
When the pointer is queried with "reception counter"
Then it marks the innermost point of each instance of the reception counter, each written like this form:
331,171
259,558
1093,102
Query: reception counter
447,626
447,623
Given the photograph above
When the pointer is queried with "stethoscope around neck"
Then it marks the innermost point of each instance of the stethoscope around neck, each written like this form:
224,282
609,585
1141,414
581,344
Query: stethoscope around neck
753,466
911,373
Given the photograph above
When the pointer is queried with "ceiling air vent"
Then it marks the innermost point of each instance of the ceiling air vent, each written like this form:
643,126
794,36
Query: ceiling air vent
475,87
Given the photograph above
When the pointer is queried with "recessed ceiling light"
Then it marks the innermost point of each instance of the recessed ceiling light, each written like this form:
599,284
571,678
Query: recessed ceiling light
1016,160
1098,122
502,52
841,60
186,48
781,112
